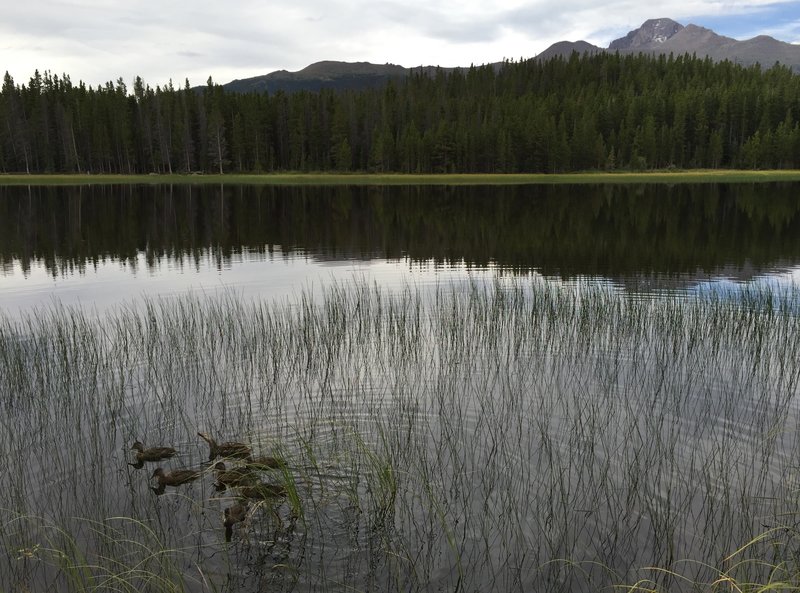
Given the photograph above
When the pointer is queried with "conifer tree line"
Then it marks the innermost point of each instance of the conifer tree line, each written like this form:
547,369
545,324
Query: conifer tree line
598,112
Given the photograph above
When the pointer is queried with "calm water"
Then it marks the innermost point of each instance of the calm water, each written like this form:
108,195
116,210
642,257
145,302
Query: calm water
101,246
525,430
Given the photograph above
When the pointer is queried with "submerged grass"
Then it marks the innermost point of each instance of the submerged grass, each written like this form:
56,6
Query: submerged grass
502,437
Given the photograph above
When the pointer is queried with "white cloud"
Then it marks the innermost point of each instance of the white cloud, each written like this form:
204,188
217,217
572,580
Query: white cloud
100,40
789,32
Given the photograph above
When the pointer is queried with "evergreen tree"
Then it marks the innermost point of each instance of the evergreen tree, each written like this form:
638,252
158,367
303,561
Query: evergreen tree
598,111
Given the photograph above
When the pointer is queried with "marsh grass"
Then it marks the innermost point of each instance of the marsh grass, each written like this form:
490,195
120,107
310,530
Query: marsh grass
130,557
496,437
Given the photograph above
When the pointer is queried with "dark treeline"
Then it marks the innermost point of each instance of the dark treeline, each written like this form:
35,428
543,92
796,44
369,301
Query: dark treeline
598,112
627,231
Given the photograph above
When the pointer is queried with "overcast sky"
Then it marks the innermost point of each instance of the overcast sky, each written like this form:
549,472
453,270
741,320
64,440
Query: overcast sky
100,40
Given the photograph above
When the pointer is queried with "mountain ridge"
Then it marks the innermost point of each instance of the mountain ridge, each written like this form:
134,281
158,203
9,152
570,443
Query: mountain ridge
690,39
662,36
332,74
651,31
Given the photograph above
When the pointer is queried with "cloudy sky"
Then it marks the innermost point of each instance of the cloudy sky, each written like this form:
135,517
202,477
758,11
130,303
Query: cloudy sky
101,40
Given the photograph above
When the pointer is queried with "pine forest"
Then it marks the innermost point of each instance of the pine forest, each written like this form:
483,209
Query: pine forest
582,113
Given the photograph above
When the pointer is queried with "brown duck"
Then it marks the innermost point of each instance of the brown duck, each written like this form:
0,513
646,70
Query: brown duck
173,478
236,476
229,449
263,491
151,454
234,514
264,462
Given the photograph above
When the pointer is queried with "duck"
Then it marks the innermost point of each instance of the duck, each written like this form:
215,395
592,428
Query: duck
229,449
151,454
237,476
264,462
263,491
175,477
234,514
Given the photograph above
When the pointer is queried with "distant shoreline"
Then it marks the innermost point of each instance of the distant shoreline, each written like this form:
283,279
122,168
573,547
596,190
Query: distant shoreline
363,179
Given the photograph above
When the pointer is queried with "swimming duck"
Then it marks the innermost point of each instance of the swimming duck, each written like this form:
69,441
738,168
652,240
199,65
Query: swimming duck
237,476
264,462
151,454
175,477
229,449
263,491
234,514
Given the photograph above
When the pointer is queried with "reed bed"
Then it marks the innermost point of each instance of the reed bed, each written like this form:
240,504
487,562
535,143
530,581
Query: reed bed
512,436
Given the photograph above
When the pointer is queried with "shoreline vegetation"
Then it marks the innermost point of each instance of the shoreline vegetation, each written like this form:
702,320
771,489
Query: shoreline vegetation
665,176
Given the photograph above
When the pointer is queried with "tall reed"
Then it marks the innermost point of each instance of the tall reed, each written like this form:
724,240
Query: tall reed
506,436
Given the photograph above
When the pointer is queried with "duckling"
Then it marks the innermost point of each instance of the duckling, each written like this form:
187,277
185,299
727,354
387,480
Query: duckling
264,462
234,514
151,454
175,477
237,476
230,449
263,491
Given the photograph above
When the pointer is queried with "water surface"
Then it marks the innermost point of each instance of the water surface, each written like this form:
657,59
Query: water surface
102,245
555,408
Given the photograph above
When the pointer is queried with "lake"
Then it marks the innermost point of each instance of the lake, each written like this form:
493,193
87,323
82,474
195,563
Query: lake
103,245
473,388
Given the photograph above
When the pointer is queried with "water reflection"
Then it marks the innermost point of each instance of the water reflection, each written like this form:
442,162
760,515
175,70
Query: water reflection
104,244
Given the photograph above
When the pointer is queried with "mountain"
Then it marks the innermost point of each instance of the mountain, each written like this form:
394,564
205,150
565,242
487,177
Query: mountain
329,75
652,31
655,36
565,48
665,36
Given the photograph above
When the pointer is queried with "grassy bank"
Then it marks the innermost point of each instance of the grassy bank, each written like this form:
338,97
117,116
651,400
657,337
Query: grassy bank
506,437
694,176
